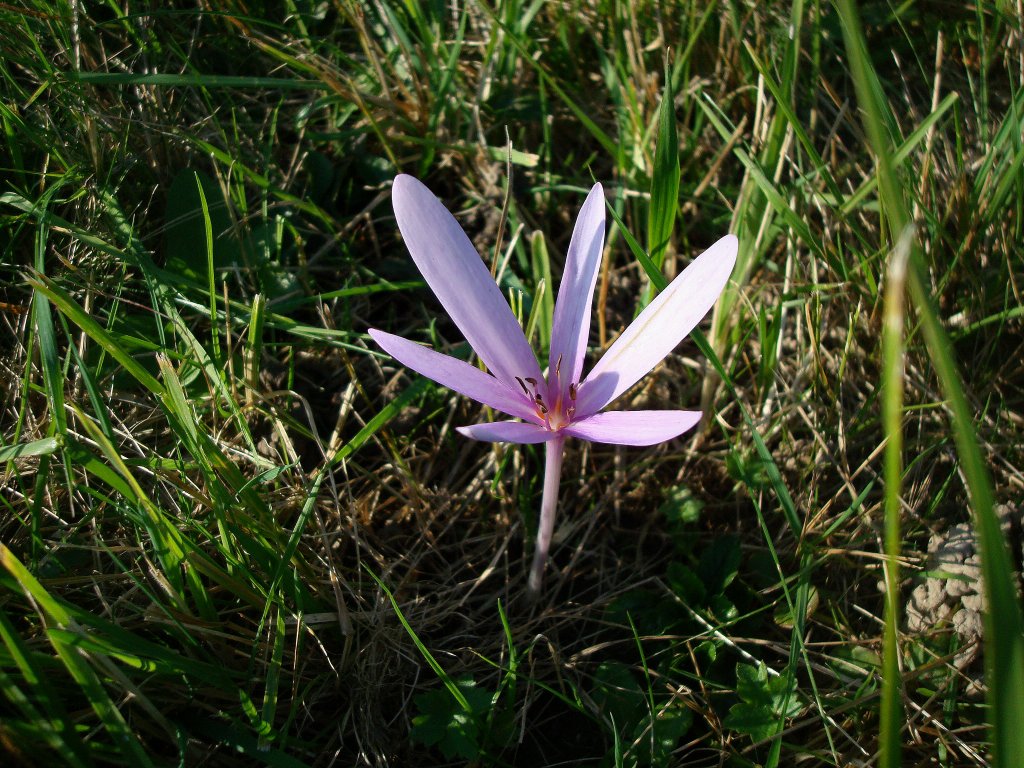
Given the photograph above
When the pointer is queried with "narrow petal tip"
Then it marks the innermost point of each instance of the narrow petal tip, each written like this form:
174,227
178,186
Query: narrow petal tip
655,332
732,245
507,432
403,180
453,270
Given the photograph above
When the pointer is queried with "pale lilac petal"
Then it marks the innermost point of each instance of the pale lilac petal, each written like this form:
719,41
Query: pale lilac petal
633,427
570,327
456,374
508,432
659,328
453,270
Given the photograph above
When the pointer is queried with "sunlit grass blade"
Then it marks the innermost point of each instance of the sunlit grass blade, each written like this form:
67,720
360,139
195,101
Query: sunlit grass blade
900,155
892,420
1004,628
443,676
168,543
664,202
211,272
654,274
53,376
375,424
782,103
55,726
541,267
77,315
612,147
42,447
273,677
75,660
194,80
254,347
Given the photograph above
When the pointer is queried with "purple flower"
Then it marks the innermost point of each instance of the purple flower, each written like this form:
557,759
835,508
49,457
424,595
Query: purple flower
562,404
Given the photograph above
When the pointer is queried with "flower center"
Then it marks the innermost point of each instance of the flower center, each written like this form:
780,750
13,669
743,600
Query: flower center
557,414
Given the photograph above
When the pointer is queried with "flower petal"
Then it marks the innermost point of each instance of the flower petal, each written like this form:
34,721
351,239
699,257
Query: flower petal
455,374
453,270
659,328
570,327
508,432
633,427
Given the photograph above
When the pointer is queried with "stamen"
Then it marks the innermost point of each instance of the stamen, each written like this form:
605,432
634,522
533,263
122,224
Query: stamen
532,381
558,366
523,385
570,411
572,392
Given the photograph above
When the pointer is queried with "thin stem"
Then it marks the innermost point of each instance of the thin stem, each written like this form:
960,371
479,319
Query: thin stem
549,503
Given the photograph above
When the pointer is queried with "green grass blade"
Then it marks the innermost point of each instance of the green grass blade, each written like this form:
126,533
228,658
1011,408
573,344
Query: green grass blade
254,347
607,143
189,80
1004,638
77,315
273,677
374,425
53,375
443,676
892,422
541,267
654,274
167,540
211,272
177,403
900,155
782,102
43,447
664,202
99,406
75,660
54,722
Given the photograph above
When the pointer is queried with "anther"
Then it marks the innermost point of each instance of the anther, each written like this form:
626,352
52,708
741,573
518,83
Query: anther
558,366
572,392
523,385
532,381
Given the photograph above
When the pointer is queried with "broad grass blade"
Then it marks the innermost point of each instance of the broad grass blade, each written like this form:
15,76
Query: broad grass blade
664,205
1004,639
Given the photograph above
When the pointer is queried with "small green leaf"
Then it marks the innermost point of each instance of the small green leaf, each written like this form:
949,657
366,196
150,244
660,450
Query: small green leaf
681,507
765,701
686,584
618,695
444,723
751,684
757,722
719,563
670,725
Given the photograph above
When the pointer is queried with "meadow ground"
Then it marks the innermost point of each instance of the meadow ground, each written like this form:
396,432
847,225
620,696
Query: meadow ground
234,532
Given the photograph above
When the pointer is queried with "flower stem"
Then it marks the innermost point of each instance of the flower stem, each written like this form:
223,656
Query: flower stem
553,450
